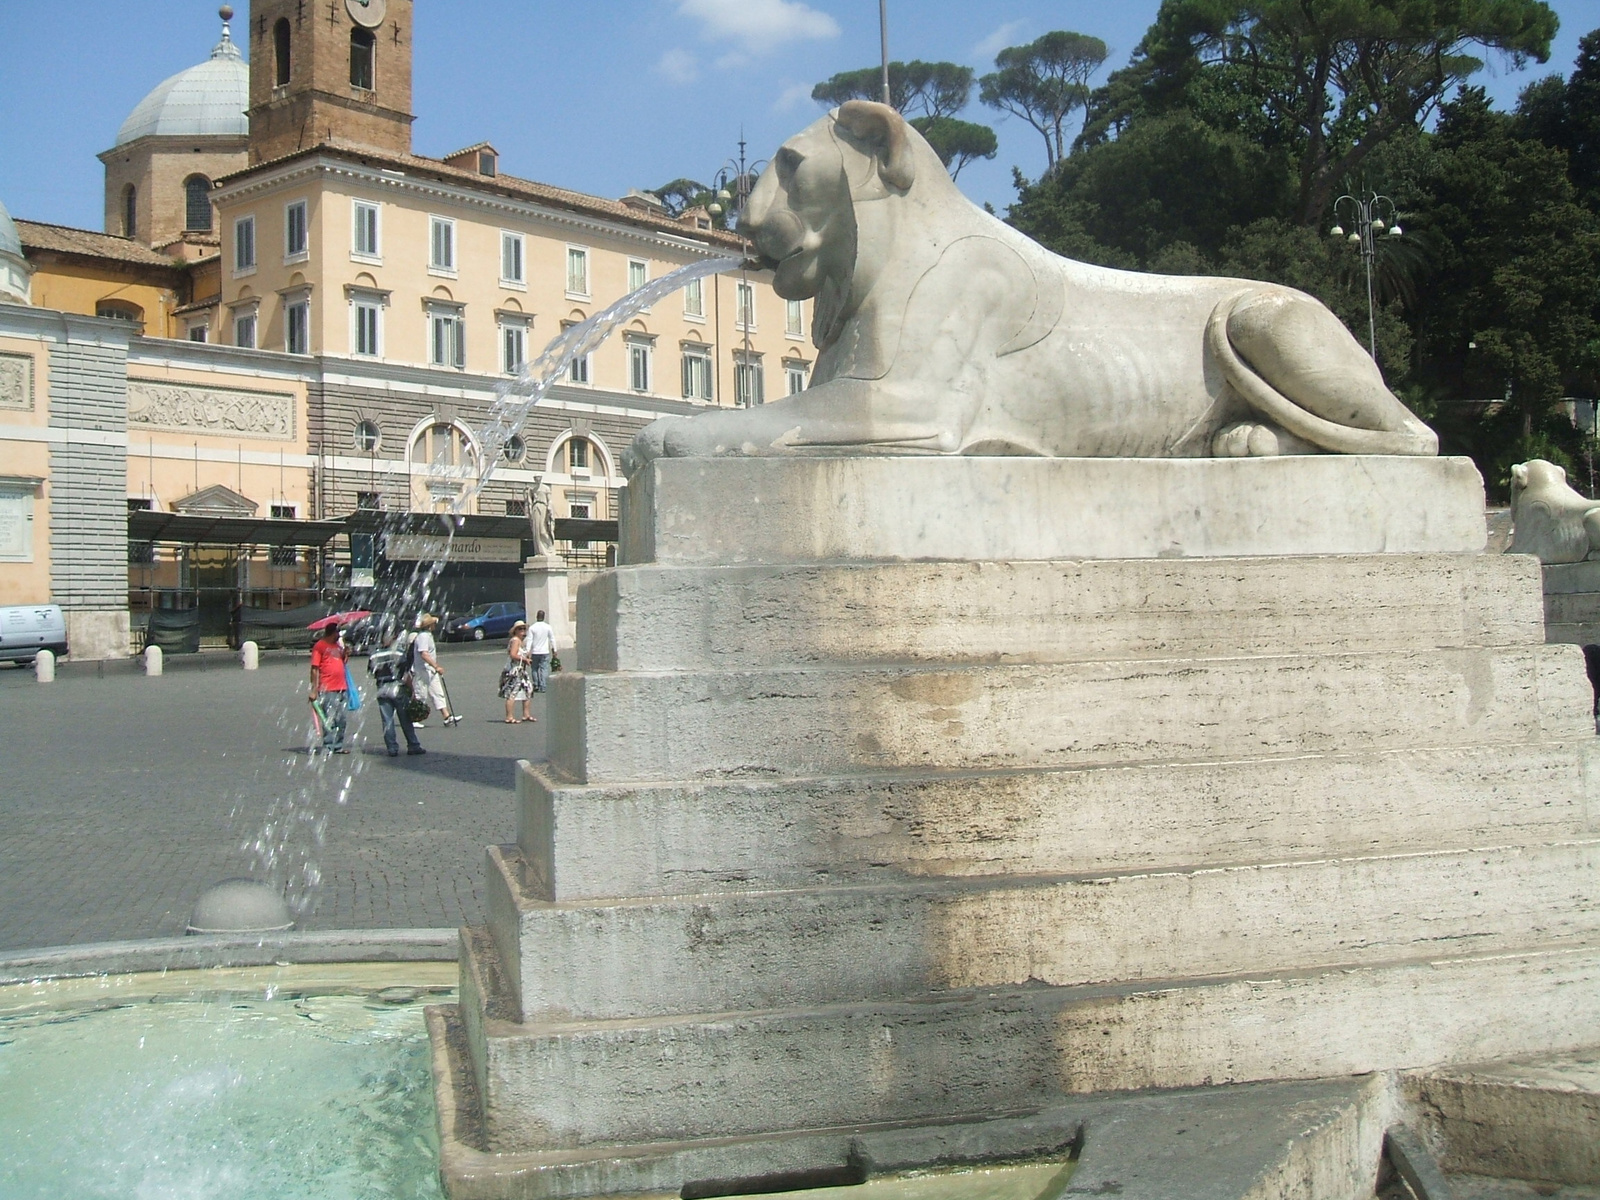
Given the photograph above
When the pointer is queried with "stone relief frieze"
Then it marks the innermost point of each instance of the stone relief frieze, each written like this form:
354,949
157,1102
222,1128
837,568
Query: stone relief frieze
203,409
16,381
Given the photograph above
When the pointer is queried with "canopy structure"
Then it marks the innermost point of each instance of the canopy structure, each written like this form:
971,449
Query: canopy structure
229,531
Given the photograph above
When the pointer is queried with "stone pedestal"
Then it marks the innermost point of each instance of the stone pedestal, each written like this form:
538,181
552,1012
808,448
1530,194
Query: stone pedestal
95,635
545,589
893,811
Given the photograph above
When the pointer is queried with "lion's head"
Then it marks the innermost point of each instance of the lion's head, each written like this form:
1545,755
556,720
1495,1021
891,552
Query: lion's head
801,215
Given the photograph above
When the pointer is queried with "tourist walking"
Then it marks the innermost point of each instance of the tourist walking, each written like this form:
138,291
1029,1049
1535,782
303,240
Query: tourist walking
516,677
430,674
329,679
541,646
391,666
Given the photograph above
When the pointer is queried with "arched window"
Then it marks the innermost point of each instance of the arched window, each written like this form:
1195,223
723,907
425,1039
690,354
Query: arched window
363,51
449,457
130,211
280,49
367,436
197,204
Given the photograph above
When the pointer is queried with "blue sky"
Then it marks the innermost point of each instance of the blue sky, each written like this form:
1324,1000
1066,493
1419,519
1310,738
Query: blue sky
598,95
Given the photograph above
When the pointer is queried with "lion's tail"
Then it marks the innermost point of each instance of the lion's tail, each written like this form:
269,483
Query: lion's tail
1278,408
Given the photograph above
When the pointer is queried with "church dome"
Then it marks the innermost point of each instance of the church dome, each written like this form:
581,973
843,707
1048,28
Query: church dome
15,273
208,100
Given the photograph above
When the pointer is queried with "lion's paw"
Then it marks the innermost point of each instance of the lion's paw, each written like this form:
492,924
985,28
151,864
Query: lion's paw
649,443
1249,439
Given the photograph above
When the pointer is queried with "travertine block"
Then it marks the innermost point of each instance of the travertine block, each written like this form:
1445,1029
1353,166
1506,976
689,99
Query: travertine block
647,726
599,960
653,618
726,511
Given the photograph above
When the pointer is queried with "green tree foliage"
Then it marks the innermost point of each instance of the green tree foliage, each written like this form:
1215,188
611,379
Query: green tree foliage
957,142
1044,82
682,194
1328,80
928,95
916,89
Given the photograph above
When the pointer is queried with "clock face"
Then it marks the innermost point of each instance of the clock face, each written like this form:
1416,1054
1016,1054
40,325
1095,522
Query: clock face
368,14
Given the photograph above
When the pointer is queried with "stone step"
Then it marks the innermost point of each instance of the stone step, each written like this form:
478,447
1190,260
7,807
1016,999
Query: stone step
1538,1119
652,618
582,842
989,1052
818,721
869,508
607,960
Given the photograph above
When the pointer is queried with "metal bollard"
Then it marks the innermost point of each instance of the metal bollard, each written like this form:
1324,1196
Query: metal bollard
152,660
44,667
250,656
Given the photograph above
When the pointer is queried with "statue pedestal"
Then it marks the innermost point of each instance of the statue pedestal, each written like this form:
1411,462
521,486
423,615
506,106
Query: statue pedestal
545,589
892,814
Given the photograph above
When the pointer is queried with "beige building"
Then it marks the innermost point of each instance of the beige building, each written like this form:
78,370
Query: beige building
240,404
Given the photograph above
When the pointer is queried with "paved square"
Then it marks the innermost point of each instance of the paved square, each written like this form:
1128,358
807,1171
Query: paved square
123,797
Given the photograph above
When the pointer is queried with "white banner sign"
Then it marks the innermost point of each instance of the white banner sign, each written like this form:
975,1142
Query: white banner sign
411,547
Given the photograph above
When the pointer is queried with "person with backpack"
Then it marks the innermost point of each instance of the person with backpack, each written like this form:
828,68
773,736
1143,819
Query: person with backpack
392,667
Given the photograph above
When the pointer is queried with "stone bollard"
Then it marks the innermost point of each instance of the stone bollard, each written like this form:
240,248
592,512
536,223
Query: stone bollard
152,660
250,656
44,667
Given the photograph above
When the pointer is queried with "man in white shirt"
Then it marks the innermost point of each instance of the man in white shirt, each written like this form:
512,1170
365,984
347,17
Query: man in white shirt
541,645
430,675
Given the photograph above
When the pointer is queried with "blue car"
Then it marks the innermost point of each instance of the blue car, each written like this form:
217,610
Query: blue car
484,621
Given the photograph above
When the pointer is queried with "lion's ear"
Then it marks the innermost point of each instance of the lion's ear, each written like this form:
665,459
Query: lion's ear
885,130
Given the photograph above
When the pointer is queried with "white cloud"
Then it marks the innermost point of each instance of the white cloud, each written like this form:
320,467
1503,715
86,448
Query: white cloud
792,97
760,25
679,66
997,41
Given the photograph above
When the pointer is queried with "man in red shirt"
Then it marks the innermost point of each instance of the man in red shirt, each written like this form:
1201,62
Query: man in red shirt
328,683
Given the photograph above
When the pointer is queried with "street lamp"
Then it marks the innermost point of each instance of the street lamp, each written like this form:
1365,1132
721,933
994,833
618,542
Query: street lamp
731,188
1368,209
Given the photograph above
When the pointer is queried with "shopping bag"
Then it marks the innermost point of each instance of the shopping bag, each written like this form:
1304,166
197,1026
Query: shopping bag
352,695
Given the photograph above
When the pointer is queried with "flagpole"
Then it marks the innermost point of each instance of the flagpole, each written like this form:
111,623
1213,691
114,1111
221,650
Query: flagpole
883,31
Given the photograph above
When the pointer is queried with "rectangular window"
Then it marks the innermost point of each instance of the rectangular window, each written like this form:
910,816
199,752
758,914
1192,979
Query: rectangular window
284,556
577,271
750,384
579,371
638,274
580,507
447,336
368,326
16,524
639,366
513,346
796,375
696,375
442,244
369,501
578,455
244,244
364,239
745,317
694,298
244,330
199,333
511,247
794,318
297,327
516,508
296,236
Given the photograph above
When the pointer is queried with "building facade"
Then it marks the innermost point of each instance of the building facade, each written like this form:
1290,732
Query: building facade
246,386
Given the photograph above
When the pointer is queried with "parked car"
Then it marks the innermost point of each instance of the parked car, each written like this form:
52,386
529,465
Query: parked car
29,628
484,621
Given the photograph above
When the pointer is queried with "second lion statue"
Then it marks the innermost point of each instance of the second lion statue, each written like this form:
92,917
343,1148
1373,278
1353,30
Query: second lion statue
941,330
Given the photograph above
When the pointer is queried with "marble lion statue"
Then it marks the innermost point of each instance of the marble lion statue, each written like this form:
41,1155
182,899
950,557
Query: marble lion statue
941,330
1550,519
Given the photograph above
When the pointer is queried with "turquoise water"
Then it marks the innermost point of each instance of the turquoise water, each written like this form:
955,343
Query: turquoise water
239,1096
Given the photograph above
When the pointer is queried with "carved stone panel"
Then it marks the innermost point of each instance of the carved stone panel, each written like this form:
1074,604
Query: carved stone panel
16,381
201,409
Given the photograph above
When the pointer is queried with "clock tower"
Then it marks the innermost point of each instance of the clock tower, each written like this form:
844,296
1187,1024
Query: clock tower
329,69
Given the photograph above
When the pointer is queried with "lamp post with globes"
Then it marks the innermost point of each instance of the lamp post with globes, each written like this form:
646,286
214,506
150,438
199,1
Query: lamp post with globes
1367,209
735,180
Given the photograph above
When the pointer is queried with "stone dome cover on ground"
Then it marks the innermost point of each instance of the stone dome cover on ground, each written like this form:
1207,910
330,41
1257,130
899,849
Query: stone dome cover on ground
207,100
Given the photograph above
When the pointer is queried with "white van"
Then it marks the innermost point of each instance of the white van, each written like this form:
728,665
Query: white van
29,628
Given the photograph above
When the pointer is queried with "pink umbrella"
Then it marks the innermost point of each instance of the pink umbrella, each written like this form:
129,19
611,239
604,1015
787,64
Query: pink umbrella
343,618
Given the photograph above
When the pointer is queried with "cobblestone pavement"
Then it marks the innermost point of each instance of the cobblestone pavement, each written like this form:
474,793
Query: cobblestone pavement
122,798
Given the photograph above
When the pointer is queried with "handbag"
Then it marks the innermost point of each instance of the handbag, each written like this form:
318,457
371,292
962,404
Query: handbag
417,709
555,662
